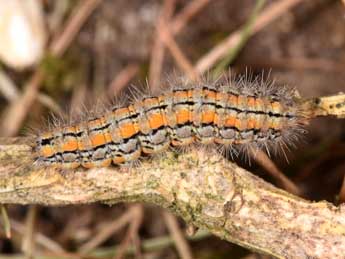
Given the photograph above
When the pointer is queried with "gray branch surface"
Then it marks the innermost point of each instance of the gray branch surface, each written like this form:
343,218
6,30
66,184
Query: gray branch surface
203,188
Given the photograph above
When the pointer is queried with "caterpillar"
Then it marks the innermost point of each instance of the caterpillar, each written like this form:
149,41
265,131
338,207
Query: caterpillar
234,114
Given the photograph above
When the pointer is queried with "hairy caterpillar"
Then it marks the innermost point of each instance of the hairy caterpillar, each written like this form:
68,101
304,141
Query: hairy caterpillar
234,114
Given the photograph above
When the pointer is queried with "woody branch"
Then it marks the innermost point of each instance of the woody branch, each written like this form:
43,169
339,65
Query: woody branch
204,189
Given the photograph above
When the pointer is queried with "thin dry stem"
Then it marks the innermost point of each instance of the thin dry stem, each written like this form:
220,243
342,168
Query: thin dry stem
7,87
39,238
342,192
158,50
14,115
106,232
299,63
80,14
342,189
267,16
6,222
122,79
181,243
132,233
28,244
186,14
181,60
176,25
262,159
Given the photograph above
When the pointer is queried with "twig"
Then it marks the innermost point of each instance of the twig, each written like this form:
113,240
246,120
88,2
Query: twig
179,239
203,189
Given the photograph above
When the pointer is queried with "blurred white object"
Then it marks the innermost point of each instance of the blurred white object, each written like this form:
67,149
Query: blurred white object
22,32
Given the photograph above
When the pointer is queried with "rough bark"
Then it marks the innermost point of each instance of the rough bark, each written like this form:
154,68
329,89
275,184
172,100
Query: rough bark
203,188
